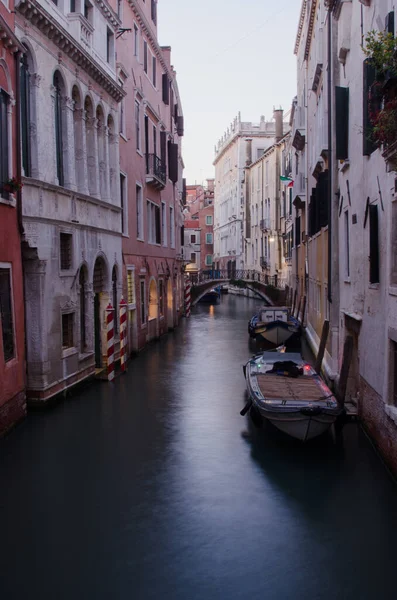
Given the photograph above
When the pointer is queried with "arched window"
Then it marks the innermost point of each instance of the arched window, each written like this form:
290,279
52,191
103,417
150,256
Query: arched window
58,88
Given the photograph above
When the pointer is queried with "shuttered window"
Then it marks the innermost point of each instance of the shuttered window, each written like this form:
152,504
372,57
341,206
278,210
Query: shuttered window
145,57
342,122
173,162
389,23
298,230
166,89
4,175
373,244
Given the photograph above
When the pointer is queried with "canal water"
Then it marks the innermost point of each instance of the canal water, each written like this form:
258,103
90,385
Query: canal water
155,487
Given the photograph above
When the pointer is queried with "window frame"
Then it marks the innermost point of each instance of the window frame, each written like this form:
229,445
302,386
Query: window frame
137,119
209,220
124,202
8,267
140,230
72,347
66,271
209,235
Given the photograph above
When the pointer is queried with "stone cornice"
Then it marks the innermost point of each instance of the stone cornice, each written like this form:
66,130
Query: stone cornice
300,26
8,38
41,19
149,34
108,13
310,28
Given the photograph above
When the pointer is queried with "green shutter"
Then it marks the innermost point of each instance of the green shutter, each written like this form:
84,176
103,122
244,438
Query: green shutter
342,122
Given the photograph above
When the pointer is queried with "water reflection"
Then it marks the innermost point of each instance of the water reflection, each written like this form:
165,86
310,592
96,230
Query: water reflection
157,487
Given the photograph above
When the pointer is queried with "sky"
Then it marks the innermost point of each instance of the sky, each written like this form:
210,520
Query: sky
230,56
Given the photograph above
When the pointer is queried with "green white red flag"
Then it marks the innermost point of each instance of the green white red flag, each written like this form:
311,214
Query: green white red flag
287,181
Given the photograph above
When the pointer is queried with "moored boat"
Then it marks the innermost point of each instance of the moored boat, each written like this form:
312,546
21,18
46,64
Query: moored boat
274,325
285,390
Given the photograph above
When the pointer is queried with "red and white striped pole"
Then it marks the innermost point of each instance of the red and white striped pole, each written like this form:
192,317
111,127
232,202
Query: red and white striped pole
123,334
110,338
188,300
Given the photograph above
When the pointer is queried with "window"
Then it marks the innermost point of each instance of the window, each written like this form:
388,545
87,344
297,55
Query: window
192,239
67,330
373,244
342,122
208,260
193,257
154,140
137,125
172,228
347,245
139,212
58,126
66,251
161,297
88,11
25,114
208,238
153,221
145,56
7,321
154,70
143,301
136,41
154,11
120,9
131,287
109,46
122,114
123,202
394,371
163,224
208,220
72,6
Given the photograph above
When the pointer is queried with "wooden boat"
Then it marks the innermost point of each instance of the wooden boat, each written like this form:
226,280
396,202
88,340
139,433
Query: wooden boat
212,296
286,391
274,325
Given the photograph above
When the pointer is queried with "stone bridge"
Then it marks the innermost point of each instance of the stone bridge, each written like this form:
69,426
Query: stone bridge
270,288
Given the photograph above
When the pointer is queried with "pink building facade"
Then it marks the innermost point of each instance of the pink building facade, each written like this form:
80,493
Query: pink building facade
12,330
151,185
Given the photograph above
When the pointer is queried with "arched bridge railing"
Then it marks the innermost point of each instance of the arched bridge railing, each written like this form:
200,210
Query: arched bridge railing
235,275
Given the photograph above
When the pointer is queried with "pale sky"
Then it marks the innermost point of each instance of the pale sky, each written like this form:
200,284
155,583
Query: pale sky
230,56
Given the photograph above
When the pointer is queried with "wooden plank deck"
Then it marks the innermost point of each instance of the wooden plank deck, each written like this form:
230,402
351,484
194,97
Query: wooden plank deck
289,388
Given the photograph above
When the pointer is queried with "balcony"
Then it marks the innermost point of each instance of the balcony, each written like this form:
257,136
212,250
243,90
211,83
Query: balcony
264,224
155,172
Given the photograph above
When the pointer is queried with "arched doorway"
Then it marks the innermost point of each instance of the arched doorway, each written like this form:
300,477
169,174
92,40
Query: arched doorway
99,282
153,310
170,305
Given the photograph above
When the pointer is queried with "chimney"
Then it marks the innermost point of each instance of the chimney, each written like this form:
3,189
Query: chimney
248,152
278,117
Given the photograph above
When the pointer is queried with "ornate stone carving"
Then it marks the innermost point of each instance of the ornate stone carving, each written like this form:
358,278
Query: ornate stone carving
68,305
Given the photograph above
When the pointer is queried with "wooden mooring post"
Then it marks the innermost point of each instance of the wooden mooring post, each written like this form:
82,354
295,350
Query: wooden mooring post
321,350
303,310
344,372
294,303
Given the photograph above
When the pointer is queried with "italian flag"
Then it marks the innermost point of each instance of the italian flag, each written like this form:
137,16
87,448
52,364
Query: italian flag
287,181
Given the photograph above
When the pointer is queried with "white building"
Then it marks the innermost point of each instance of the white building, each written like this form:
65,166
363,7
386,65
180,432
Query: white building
242,144
71,202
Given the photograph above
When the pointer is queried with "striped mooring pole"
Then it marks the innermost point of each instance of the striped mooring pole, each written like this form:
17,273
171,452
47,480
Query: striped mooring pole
188,300
123,334
110,338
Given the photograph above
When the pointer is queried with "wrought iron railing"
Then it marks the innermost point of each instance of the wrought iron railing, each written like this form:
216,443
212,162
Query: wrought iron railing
156,168
236,274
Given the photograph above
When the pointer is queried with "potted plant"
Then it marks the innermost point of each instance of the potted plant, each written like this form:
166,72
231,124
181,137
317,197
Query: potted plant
381,49
12,185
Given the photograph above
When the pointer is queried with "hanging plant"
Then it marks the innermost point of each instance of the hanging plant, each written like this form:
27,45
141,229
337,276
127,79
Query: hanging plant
381,49
12,185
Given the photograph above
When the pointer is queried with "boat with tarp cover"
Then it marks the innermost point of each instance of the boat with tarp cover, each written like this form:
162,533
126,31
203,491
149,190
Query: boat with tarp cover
285,390
274,326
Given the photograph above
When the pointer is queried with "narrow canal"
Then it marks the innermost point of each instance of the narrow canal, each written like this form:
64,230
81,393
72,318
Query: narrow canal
156,487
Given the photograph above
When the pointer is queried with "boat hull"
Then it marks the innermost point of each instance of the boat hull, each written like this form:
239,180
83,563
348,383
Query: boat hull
300,427
210,297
